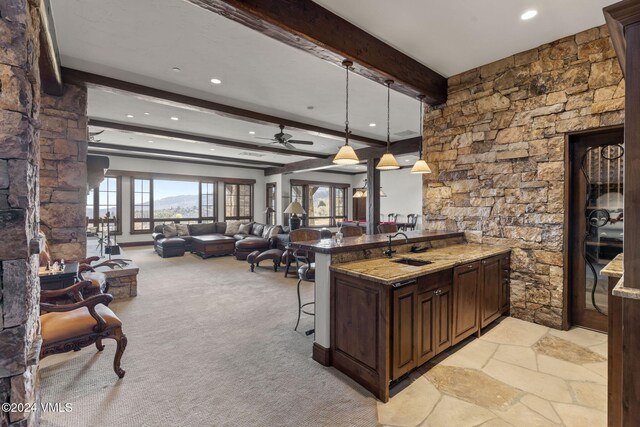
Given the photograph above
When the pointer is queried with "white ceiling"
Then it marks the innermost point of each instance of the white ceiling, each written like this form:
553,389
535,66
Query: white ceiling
141,41
453,36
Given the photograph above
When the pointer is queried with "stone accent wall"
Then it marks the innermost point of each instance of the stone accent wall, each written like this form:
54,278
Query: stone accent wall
63,172
19,159
497,152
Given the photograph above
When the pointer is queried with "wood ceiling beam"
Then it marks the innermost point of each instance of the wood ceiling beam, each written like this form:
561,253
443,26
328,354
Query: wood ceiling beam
125,148
150,94
405,146
49,59
127,128
306,25
150,157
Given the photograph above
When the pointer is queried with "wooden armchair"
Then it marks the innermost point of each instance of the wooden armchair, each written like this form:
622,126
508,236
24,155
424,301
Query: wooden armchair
67,327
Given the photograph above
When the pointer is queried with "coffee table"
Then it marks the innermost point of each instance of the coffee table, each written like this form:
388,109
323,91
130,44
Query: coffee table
207,246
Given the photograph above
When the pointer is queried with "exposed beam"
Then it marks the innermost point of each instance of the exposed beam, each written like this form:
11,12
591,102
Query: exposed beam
308,26
619,15
188,161
150,94
49,60
405,146
125,148
201,138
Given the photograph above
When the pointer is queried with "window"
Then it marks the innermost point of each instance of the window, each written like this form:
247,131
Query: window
155,201
141,204
238,201
102,199
208,203
325,203
271,203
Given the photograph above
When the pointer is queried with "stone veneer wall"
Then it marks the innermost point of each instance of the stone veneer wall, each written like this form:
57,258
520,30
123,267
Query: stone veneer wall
497,152
19,158
63,172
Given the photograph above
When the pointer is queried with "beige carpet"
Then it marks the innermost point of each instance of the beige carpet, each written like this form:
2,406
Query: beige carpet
210,344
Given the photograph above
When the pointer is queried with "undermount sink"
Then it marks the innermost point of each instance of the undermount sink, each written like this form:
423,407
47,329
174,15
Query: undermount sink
414,262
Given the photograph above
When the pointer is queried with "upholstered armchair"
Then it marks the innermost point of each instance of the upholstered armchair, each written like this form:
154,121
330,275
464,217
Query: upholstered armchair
67,327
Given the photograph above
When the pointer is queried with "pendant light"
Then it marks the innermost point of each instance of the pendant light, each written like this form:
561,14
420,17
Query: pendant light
346,155
421,166
388,161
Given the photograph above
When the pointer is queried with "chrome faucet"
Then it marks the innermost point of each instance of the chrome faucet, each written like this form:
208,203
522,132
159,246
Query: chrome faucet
389,252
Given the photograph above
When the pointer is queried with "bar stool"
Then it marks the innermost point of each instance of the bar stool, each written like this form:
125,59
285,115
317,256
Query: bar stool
306,273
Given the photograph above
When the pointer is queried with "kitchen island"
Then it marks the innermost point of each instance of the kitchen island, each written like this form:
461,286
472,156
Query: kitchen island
378,318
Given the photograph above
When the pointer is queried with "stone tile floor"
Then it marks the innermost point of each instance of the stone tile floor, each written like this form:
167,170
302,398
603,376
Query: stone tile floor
516,374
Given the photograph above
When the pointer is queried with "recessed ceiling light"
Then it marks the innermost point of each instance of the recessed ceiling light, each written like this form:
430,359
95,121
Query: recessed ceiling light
528,14
146,114
174,118
212,149
372,125
310,107
176,69
252,133
130,116
216,81
406,161
149,141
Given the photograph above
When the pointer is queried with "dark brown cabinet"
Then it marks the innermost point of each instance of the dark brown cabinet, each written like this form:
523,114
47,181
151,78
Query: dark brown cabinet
421,321
381,332
466,286
490,291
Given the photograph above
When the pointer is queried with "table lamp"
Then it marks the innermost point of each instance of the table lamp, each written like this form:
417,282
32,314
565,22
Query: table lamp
295,209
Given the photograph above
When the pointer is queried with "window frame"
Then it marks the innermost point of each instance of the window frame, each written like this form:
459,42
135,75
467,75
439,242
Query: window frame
271,199
333,219
96,205
166,177
238,217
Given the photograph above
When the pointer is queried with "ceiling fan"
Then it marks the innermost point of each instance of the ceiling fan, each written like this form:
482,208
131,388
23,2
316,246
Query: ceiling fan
285,139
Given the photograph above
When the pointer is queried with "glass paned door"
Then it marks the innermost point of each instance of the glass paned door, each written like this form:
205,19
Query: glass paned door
597,216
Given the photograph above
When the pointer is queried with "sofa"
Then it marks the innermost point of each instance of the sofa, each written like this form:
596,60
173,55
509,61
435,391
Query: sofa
174,239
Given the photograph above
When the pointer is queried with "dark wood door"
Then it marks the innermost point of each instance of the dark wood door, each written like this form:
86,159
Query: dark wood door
466,281
442,327
426,322
404,330
596,175
490,290
505,280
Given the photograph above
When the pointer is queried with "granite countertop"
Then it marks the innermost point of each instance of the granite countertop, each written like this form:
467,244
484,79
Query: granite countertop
621,291
615,267
384,271
366,241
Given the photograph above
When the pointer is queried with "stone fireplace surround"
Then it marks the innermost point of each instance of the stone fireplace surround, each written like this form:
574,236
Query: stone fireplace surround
497,150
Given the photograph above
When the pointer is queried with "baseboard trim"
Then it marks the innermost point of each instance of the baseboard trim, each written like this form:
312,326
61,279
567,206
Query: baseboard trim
130,244
321,354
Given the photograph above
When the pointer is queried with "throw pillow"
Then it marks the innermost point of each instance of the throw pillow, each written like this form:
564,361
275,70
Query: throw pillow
275,231
245,228
257,229
233,227
182,229
169,230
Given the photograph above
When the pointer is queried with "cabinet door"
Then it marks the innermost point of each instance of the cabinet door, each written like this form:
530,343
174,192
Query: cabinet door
466,320
442,326
404,330
490,290
505,280
426,322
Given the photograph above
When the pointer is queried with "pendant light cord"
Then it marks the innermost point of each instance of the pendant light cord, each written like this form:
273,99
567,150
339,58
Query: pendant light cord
346,121
388,114
420,98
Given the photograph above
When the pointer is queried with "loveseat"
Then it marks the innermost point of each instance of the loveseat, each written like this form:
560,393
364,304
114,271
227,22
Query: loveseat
174,239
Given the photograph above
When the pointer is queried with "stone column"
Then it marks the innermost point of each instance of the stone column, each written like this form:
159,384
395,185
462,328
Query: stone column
63,172
19,160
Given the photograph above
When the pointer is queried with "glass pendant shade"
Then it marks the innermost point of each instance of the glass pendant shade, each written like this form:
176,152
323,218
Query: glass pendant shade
346,156
359,194
388,162
421,167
